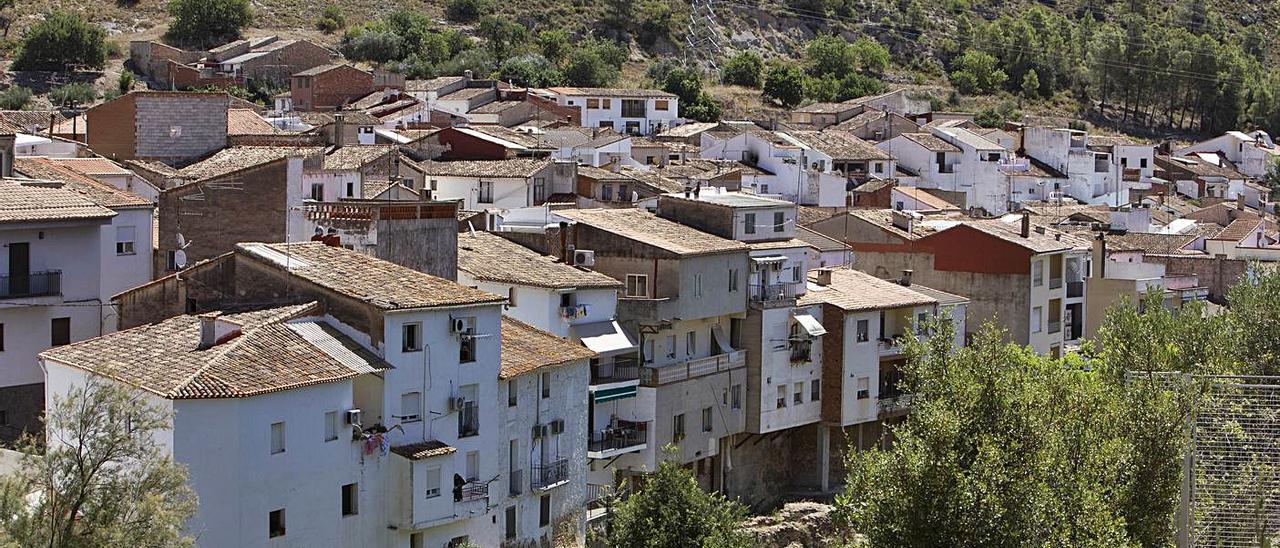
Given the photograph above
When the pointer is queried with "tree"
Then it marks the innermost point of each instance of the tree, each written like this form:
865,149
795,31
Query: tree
1030,84
695,103
15,98
331,19
671,511
554,45
530,70
103,477
785,84
72,95
465,11
62,41
208,22
976,72
502,35
744,69
586,68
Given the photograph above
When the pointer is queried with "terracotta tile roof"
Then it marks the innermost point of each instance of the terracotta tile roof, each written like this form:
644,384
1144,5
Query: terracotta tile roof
874,185
31,121
372,188
883,218
424,450
657,183
383,284
923,196
863,118
355,157
611,92
267,354
93,166
243,121
526,349
826,108
839,145
22,201
349,117
808,215
819,241
507,134
931,142
1238,230
853,290
1160,244
495,107
1049,242
232,159
1054,215
464,94
321,70
432,84
153,167
492,258
780,244
514,168
92,189
688,130
649,229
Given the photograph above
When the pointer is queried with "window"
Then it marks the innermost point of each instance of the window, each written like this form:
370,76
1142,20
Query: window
638,285
1037,315
60,331
697,285
749,223
486,192
864,330
779,221
677,428
317,192
473,465
171,260
606,103
633,128
513,390
277,437
799,393
649,351
795,273
331,425
539,190
633,108
921,320
411,406
606,124
351,189
733,280
706,419
467,341
815,390
623,194
124,240
879,167
735,396
690,343
544,511
1124,162
671,346
782,396
411,337
606,193
546,385
350,499
432,482
1037,273
1142,163
275,523
593,103
864,388
661,104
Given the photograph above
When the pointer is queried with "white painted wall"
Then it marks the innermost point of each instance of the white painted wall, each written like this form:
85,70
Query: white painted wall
655,120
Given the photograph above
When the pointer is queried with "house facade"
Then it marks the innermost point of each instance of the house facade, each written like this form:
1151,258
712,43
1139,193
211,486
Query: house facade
631,111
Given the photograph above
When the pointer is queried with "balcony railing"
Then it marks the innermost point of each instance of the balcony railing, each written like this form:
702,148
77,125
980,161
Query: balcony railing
1055,327
624,368
698,367
550,474
1055,283
471,490
36,284
626,435
1075,289
515,482
776,292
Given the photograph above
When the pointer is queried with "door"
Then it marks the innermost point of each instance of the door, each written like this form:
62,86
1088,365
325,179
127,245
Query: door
19,268
511,522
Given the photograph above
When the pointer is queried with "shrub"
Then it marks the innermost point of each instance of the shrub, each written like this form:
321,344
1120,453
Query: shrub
73,94
586,68
208,22
554,44
15,98
373,45
503,36
331,19
976,72
125,82
744,69
531,70
62,41
465,11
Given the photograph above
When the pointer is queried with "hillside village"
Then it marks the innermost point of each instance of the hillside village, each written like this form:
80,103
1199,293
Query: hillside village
388,311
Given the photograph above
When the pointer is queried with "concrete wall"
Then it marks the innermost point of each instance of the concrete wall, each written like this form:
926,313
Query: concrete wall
425,245
179,126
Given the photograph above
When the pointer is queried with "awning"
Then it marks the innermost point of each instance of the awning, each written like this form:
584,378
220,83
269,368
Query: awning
770,259
603,337
721,340
809,323
610,394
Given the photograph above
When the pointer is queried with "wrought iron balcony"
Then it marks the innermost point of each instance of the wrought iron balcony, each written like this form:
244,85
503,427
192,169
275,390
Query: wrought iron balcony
626,436
550,474
35,284
775,292
472,490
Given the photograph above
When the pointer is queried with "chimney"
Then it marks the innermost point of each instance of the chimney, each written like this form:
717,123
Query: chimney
686,191
1100,255
905,281
1240,201
7,153
466,78
1026,224
824,277
697,189
339,124
214,330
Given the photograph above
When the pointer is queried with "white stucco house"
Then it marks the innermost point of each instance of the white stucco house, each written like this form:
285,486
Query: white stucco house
632,111
1252,154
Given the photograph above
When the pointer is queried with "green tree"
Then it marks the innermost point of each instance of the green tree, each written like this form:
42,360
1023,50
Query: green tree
502,36
1030,84
554,45
379,46
671,511
15,98
208,22
784,83
695,103
976,72
744,69
62,41
125,83
1255,315
530,70
586,68
465,11
103,478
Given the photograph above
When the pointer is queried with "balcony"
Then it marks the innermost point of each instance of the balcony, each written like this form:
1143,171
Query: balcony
698,367
1075,289
36,284
549,475
1055,326
471,490
892,345
775,293
515,482
624,368
1055,283
626,437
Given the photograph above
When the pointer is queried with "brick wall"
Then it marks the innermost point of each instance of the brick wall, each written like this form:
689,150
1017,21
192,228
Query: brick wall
832,363
332,89
1216,273
180,126
110,130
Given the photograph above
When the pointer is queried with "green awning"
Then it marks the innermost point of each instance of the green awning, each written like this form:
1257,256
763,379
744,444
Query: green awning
610,394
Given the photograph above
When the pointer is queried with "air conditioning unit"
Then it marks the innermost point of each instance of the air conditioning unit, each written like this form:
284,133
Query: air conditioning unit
584,257
456,403
353,416
457,326
557,426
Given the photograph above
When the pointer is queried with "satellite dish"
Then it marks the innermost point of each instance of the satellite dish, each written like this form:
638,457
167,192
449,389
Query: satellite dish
182,242
180,258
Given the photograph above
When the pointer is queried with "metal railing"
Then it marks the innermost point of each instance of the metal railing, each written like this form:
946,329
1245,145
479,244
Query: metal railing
626,435
770,293
550,473
624,368
473,490
1055,283
35,284
698,367
515,482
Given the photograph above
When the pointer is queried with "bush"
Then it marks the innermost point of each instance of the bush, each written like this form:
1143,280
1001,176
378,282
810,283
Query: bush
531,70
503,36
695,103
125,82
785,84
554,44
73,94
62,41
465,11
15,98
373,45
670,509
744,69
976,72
609,51
207,22
331,19
658,71
654,22
586,68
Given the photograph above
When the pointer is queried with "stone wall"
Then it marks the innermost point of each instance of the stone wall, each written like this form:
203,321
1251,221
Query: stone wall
1216,273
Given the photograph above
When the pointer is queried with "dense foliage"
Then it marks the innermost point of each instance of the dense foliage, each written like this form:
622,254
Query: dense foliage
744,69
62,41
670,510
15,98
72,95
207,23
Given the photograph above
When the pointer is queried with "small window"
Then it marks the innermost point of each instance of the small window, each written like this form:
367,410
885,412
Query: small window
411,407
1037,273
1037,315
749,223
60,331
350,499
779,221
432,482
485,192
661,104
697,285
671,346
606,193
815,390
513,391
544,511
864,388
317,192
411,337
351,189
1142,163
277,437
922,320
593,103
864,330
638,285
690,343
733,280
171,261
782,397
735,396
467,341
879,167
331,425
799,393
649,351
275,523
606,103
677,428
124,240
546,385
706,419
